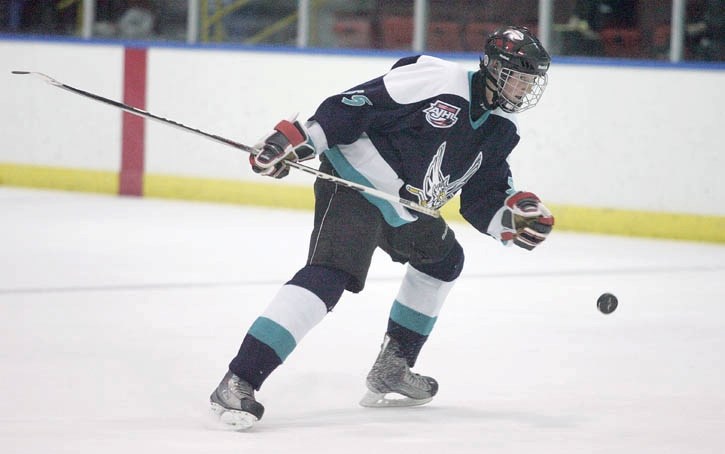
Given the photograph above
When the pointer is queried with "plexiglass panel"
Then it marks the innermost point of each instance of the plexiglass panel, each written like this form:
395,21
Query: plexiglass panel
629,29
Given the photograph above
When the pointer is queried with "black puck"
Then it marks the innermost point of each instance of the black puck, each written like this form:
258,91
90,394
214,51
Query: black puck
607,303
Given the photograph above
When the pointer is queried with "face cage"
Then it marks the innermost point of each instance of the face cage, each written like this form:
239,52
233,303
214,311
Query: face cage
519,91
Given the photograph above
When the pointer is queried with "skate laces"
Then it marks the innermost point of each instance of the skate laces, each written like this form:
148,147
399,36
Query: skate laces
413,379
240,388
393,370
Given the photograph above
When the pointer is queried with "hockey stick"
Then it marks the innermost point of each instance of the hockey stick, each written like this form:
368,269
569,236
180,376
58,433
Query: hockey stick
322,175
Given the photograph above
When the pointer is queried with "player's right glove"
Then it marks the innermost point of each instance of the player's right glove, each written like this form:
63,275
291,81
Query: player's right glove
526,220
288,142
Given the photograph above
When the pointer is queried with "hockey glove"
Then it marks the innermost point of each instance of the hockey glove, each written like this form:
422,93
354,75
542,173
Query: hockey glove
526,220
288,142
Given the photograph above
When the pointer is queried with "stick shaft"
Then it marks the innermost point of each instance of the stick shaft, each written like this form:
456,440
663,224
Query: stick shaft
223,140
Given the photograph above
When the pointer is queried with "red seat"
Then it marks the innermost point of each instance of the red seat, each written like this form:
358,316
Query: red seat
475,34
661,37
444,36
397,32
621,42
353,33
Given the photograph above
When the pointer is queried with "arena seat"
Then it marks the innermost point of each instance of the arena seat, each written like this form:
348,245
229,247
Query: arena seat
475,34
621,42
397,32
444,36
353,32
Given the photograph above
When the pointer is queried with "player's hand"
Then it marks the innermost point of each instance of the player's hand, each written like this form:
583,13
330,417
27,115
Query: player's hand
526,220
288,142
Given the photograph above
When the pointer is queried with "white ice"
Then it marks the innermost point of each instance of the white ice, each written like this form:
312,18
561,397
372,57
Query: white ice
118,316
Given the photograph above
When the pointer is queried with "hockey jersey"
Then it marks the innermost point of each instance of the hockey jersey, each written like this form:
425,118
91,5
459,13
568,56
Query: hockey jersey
410,132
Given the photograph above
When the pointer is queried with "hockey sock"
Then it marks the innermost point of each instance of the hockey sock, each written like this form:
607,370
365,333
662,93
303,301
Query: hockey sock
298,306
419,301
415,311
327,283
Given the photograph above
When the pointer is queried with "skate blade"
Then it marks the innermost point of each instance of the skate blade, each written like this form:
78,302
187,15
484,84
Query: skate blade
389,400
233,419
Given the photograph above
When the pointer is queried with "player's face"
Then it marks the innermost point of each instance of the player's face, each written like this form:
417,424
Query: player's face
519,91
517,86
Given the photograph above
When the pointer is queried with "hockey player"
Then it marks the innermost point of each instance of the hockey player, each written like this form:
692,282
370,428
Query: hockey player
425,130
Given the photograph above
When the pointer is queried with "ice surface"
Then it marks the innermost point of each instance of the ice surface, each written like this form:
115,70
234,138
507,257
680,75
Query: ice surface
118,317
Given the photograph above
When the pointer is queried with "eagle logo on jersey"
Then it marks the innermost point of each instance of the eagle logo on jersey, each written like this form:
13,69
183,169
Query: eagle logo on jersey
437,188
441,114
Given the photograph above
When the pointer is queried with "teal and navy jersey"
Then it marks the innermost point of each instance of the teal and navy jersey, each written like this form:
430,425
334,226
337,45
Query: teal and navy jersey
410,132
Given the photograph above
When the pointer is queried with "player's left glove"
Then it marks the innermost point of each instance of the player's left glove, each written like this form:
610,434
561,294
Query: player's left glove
288,142
526,220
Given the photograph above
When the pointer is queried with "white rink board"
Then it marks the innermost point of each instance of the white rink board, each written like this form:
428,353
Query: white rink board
241,96
603,136
43,125
628,138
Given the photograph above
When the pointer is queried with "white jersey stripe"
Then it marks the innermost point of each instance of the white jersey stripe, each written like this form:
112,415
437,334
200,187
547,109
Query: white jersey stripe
433,75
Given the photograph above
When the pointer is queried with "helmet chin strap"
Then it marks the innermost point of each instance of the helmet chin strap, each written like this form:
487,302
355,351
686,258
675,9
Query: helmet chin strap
490,96
484,97
486,86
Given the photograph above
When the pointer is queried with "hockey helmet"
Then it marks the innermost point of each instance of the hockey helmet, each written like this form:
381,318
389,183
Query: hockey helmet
515,63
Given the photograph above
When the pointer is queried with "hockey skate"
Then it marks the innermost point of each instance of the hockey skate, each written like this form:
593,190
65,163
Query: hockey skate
234,404
391,383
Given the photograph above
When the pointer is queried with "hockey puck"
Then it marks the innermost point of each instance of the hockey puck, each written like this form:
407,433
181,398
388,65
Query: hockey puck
607,303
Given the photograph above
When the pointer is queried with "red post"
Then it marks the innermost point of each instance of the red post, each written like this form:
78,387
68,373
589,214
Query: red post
133,127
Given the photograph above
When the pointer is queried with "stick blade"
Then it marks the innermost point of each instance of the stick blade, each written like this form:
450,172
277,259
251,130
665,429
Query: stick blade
45,77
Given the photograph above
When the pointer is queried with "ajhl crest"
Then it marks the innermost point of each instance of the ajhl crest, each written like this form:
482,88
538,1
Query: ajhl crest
441,114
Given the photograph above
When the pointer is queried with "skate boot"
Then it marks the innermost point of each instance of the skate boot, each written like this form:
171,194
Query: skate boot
391,383
234,404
